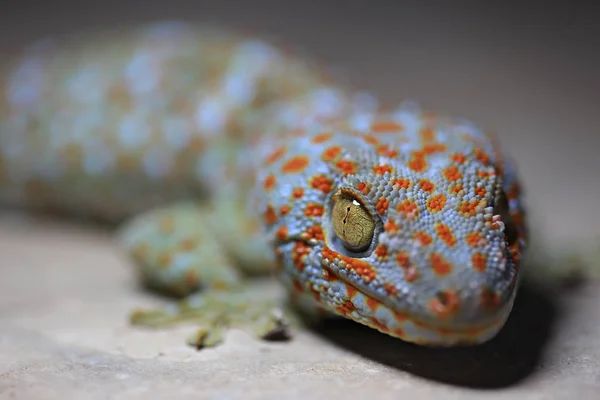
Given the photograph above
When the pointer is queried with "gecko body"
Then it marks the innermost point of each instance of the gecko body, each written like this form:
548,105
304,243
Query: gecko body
223,156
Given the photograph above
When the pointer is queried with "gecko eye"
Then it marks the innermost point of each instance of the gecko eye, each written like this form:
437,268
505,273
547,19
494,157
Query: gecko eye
352,223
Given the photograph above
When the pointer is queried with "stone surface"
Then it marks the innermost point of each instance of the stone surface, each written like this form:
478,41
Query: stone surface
65,293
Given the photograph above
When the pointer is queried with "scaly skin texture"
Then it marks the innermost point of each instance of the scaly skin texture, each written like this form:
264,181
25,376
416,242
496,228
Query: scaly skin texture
227,155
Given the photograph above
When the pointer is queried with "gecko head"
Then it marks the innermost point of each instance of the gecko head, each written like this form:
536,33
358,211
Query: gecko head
420,241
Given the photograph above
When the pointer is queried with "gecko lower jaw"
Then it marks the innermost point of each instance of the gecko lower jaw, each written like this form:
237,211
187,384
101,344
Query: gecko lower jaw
380,313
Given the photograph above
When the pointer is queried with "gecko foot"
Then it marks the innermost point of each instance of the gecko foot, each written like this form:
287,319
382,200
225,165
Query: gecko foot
247,307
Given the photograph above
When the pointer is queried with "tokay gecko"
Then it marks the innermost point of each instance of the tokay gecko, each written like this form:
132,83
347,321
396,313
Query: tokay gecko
222,157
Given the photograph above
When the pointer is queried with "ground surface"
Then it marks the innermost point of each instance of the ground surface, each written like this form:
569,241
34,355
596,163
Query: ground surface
65,291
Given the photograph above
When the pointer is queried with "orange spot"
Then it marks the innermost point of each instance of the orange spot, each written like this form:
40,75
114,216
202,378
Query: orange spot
480,191
284,209
269,182
313,210
398,332
445,303
328,276
440,266
485,174
364,188
482,156
403,259
479,262
408,208
381,251
475,239
313,232
328,254
315,294
282,233
295,165
458,158
410,272
72,153
452,173
513,192
417,164
382,205
348,167
427,134
270,215
126,162
351,291
457,188
399,317
322,183
191,278
436,203
298,193
276,155
401,183
164,260
390,289
371,140
391,227
299,253
386,127
434,148
380,326
331,153
426,185
470,208
373,304
387,151
322,137
167,225
297,286
490,299
188,245
424,238
362,268
140,251
382,169
346,308
444,232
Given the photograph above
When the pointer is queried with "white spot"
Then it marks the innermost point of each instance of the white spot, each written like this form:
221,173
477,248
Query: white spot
361,121
46,165
133,132
211,116
87,85
166,29
85,124
240,88
365,102
142,73
176,132
327,101
27,83
255,56
97,159
157,162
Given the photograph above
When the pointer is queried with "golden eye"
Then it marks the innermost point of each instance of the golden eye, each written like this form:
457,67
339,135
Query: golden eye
352,223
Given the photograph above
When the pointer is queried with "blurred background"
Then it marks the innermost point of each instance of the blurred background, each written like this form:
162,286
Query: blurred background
525,70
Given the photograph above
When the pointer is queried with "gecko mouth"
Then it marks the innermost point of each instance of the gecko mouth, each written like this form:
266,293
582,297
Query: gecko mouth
468,333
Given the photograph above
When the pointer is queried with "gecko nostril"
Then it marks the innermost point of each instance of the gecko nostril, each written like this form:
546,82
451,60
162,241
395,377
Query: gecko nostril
510,230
